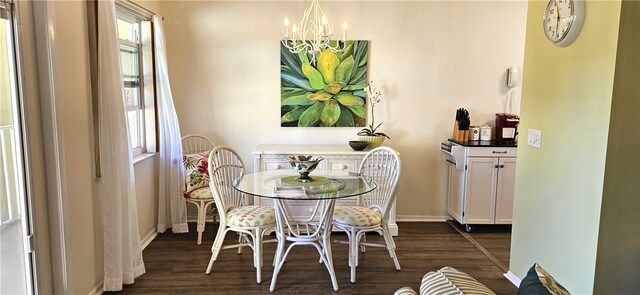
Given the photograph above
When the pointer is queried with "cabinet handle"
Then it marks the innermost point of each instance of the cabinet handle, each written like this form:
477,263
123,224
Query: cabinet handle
498,152
277,166
501,166
343,166
496,166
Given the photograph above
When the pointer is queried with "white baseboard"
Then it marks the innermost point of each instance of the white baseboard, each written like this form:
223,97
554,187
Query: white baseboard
512,278
98,289
148,238
421,218
194,217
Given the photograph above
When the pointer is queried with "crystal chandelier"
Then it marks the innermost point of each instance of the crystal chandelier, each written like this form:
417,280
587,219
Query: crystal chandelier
313,33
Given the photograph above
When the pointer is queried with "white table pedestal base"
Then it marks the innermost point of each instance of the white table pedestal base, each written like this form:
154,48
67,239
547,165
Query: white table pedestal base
304,232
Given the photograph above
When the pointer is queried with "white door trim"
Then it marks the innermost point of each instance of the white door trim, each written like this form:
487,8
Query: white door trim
56,190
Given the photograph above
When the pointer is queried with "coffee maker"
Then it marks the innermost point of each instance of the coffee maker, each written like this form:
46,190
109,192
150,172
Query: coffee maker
506,128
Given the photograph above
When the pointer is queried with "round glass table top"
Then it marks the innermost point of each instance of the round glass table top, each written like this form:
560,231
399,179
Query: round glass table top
324,184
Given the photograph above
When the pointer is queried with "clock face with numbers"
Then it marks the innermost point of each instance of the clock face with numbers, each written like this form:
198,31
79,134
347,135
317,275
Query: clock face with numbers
563,21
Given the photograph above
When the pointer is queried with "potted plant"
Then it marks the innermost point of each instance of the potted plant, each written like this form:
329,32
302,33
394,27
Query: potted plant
369,133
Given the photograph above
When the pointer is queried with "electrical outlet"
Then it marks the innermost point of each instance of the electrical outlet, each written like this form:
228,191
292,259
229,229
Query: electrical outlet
534,137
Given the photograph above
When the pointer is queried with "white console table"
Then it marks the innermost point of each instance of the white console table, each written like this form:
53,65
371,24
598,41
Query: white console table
337,157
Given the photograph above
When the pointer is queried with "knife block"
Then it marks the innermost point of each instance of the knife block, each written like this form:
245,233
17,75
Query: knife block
459,135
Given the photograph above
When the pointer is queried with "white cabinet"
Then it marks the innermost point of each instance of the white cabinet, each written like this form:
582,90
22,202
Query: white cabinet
481,190
505,190
337,157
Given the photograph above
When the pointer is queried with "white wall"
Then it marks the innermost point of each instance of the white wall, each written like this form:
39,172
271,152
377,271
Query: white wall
427,58
77,202
146,174
79,207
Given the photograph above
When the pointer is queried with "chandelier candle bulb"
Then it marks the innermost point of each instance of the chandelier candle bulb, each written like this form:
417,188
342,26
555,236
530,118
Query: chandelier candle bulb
323,28
294,29
344,31
286,26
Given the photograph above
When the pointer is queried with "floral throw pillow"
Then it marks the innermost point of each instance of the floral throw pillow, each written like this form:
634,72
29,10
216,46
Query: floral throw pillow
539,282
196,171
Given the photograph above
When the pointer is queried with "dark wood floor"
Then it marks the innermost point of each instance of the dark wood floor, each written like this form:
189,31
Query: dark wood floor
175,264
495,240
492,238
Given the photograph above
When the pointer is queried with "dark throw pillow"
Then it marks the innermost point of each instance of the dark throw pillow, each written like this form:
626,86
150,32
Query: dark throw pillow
531,285
539,282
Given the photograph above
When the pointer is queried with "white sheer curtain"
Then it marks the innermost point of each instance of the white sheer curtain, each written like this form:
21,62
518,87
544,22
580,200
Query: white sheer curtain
172,208
122,253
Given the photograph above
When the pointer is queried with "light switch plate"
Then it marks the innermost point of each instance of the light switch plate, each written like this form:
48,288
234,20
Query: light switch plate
534,137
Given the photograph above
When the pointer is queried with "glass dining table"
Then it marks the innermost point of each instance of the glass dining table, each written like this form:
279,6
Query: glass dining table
325,188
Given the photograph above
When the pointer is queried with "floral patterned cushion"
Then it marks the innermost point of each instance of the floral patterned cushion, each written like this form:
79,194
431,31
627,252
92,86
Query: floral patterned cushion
356,216
196,171
250,216
200,193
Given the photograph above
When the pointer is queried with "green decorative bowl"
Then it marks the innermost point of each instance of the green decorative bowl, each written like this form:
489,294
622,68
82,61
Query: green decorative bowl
374,141
358,145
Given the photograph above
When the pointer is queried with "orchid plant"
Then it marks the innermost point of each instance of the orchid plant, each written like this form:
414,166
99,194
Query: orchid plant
373,94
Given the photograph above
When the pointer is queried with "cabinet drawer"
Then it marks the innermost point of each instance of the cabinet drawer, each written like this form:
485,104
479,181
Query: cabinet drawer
275,165
343,165
494,152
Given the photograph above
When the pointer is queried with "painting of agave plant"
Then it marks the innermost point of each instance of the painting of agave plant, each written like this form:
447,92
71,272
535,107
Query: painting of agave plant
327,91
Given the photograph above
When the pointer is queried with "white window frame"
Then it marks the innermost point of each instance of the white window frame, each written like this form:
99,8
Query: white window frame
144,44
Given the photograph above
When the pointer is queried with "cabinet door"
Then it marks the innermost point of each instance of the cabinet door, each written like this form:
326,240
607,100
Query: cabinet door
455,193
480,190
505,188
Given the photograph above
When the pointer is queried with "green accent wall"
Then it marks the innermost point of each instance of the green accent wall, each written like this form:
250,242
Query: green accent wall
618,260
567,94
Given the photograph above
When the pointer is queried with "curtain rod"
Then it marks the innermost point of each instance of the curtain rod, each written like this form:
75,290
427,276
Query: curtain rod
143,8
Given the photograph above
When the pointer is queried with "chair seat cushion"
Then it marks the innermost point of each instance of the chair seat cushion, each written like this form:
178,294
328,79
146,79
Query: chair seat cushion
251,216
356,216
201,194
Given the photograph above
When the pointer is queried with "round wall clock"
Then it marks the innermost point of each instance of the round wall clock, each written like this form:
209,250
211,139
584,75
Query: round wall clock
563,20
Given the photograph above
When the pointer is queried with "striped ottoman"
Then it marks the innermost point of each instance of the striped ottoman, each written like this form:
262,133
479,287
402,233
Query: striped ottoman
447,281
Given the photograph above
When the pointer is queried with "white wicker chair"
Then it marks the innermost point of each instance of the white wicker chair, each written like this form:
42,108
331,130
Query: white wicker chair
202,198
372,213
251,222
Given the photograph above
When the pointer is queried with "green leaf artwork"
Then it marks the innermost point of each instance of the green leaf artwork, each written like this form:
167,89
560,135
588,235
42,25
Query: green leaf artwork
327,92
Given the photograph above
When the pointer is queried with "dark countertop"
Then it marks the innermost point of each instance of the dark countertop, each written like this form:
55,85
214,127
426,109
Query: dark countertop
481,143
